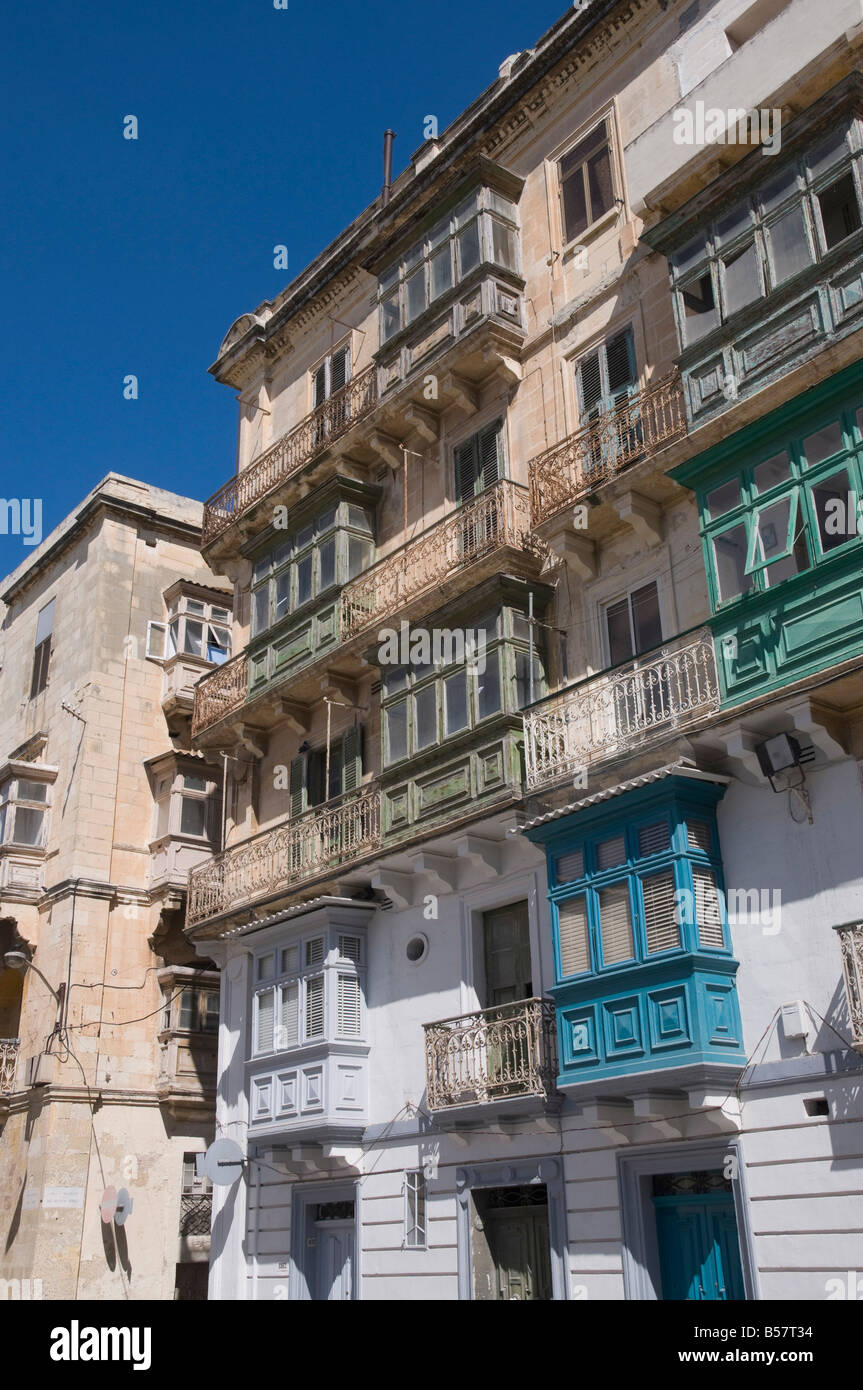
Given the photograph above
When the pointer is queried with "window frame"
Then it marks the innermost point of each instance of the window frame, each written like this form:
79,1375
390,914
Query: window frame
11,802
415,1189
281,557
176,628
175,793
42,649
593,223
329,967
326,363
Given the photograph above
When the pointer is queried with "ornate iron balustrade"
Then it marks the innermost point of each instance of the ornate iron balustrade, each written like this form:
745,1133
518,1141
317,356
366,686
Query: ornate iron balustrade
498,517
196,1210
634,429
614,712
319,429
220,692
324,838
851,946
494,1054
8,1062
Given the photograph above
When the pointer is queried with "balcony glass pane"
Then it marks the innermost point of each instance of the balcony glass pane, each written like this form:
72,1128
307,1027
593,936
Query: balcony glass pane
488,687
822,444
772,472
729,557
699,308
304,580
440,271
193,642
835,511
390,315
455,702
502,244
397,732
690,254
425,717
328,563
723,499
163,816
779,189
189,1010
840,212
829,152
789,245
734,224
260,609
415,294
32,791
792,564
283,595
359,555
741,278
468,249
29,824
193,817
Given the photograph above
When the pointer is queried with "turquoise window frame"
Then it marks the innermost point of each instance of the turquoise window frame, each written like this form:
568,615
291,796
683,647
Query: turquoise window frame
803,478
679,856
753,563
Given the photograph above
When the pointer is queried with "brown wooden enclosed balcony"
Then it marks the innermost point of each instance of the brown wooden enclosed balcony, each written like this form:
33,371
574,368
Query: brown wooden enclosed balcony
317,432
496,1054
660,693
8,1064
311,845
456,553
635,429
851,946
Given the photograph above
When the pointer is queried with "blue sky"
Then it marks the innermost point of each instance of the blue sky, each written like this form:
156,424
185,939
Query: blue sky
257,127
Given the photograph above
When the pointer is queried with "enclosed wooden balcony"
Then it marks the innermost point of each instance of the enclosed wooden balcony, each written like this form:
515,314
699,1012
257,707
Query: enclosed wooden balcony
316,433
618,711
8,1064
496,1054
327,837
851,946
634,430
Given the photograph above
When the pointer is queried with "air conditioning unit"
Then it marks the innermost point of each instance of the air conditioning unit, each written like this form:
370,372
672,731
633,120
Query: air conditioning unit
41,1069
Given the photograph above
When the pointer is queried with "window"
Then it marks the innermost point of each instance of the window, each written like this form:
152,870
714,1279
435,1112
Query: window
790,508
23,812
606,377
308,771
331,375
422,706
309,562
791,221
42,649
415,1210
195,628
190,1007
481,229
628,893
185,804
586,182
479,462
633,624
193,1186
306,990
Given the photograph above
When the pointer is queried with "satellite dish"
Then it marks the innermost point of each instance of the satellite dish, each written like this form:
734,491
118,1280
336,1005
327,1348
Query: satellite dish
108,1205
224,1162
124,1207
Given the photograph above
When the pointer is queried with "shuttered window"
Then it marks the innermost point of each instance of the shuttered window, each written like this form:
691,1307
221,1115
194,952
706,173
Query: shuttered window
478,462
264,1020
610,853
606,376
653,839
349,948
289,1016
574,936
698,835
315,951
349,1006
315,1006
661,927
569,866
707,910
615,920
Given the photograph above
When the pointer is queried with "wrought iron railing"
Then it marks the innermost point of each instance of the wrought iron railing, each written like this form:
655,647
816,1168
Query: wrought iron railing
8,1062
196,1210
493,1054
614,712
637,427
319,429
498,517
220,692
851,946
321,839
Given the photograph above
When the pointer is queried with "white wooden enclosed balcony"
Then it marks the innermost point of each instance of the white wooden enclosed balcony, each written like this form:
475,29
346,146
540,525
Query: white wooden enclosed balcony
337,833
661,692
493,1055
851,946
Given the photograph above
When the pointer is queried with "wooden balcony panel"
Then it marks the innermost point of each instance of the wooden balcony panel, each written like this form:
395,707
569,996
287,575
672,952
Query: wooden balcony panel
492,1055
636,429
616,712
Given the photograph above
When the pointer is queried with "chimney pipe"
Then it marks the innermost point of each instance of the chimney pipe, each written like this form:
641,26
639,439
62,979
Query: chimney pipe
389,136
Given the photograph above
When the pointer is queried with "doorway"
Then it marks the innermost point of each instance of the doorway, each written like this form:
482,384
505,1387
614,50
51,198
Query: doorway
325,1246
696,1232
511,1253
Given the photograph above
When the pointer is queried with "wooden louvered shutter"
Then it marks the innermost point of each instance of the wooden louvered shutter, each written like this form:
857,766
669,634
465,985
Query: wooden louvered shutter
708,913
569,867
289,1016
490,447
698,835
320,385
264,1021
660,916
340,369
610,853
615,923
297,784
349,1006
653,839
315,1006
590,385
574,936
620,365
352,758
466,469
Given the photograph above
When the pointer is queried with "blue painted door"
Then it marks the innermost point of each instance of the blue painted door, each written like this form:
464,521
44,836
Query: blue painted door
699,1252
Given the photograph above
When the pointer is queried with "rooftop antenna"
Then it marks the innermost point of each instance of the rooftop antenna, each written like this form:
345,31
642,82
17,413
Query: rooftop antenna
389,136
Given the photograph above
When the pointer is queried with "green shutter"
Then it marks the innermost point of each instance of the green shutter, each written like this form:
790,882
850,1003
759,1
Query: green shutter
352,760
298,784
490,454
466,469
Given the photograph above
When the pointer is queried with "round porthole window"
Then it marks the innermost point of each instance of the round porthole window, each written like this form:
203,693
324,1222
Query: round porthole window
417,949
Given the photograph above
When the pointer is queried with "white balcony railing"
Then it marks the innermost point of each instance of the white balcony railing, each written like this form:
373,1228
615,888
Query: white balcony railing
618,710
322,839
8,1062
851,946
493,1054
